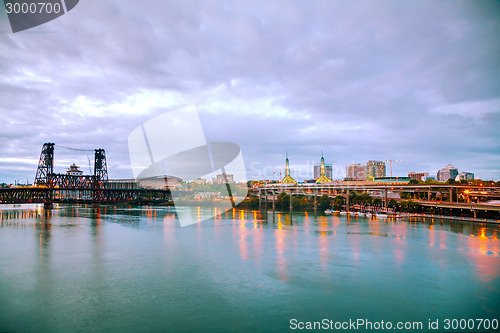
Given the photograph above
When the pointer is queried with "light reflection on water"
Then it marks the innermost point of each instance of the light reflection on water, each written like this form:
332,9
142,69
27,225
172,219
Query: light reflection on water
121,266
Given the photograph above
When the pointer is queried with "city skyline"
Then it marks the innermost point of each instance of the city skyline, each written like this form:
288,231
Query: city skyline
416,81
339,172
301,171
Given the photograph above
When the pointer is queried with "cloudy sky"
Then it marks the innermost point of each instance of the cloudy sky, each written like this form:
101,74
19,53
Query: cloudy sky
359,80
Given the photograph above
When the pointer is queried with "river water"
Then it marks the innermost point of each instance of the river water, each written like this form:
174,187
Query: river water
133,269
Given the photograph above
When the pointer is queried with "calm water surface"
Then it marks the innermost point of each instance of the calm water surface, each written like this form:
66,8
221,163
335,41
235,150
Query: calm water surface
133,269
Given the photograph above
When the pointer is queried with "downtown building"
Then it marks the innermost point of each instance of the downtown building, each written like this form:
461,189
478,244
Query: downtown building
449,171
464,176
421,176
356,171
328,171
220,179
375,169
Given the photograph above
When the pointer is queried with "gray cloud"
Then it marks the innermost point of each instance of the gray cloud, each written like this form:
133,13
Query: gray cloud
364,80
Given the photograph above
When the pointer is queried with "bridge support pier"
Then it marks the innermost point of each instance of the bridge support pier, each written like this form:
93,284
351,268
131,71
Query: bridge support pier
291,196
347,201
260,199
385,201
315,200
48,205
274,200
96,205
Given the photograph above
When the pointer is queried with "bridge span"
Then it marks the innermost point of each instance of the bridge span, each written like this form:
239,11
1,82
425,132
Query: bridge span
465,197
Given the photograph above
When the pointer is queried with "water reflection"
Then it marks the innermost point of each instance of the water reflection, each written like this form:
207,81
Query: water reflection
292,247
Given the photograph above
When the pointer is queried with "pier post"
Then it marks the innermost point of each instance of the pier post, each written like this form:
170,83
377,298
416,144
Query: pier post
291,201
385,201
315,200
265,199
429,194
274,200
347,201
451,195
49,200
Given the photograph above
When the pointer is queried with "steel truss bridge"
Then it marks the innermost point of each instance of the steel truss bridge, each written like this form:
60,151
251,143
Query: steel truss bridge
75,195
50,187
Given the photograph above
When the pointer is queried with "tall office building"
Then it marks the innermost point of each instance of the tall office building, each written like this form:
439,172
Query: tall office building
447,172
375,169
465,176
356,171
328,171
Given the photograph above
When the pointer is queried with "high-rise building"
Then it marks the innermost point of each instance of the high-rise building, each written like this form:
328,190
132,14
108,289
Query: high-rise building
328,171
447,172
418,175
465,176
356,171
375,169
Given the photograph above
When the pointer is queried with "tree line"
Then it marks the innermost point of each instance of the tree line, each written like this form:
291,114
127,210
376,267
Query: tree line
364,200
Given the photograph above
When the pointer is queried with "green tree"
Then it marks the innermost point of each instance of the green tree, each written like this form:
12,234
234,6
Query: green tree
413,182
283,200
254,201
365,199
392,203
324,202
338,202
405,195
296,202
403,205
413,206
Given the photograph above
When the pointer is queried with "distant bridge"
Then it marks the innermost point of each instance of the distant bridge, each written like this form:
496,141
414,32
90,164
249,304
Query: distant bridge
50,187
77,195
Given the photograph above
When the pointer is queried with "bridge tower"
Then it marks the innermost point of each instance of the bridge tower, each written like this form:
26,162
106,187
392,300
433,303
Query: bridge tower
100,176
45,165
100,166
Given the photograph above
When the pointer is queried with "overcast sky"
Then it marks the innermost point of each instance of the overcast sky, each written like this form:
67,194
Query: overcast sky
359,80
